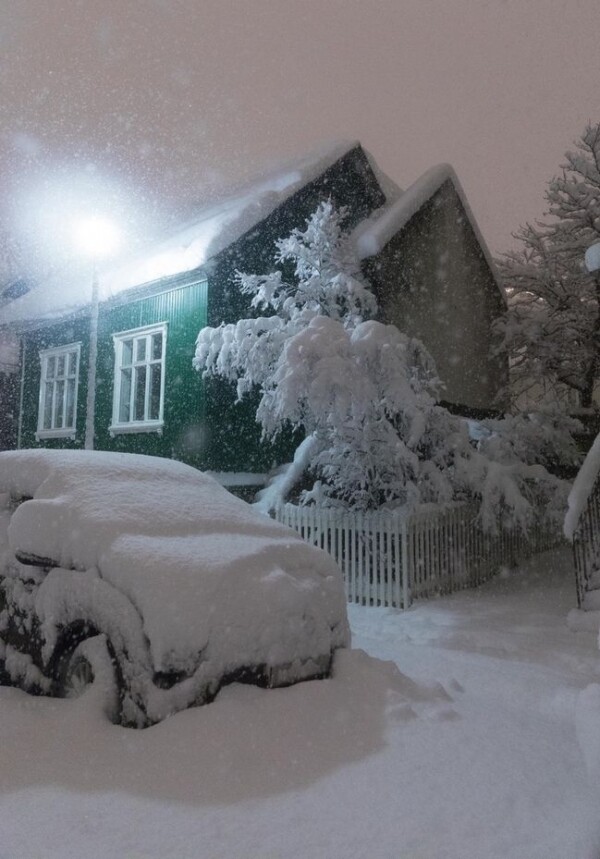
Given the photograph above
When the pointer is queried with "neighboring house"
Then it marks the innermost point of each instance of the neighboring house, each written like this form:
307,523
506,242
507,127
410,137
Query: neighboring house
421,250
435,280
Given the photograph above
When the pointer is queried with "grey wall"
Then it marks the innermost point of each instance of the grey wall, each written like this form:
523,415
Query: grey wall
433,282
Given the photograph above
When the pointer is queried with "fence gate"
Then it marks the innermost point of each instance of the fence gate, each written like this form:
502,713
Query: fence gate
586,547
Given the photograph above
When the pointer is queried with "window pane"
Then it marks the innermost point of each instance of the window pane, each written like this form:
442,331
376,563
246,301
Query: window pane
58,404
58,389
140,349
155,377
140,394
141,377
127,353
125,398
157,346
48,391
70,410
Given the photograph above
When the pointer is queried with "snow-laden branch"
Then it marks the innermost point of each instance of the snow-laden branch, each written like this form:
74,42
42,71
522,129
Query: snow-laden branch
364,393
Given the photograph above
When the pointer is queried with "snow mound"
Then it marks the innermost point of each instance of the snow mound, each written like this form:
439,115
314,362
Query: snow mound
213,580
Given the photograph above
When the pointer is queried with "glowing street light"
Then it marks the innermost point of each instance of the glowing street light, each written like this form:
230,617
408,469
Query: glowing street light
96,237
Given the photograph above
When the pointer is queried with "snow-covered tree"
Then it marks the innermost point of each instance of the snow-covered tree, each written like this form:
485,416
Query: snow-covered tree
552,327
534,438
364,393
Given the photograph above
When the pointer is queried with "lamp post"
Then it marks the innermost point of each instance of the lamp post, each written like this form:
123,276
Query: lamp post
97,238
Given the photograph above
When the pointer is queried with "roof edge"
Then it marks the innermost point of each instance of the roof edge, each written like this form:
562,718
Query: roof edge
376,233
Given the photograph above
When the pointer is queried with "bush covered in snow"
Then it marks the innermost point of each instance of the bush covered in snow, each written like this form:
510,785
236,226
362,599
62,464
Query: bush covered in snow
364,393
534,438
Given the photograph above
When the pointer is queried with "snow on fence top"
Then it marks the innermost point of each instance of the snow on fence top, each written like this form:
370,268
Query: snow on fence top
582,489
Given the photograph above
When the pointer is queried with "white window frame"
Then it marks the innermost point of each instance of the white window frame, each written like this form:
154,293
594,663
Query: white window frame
45,355
137,334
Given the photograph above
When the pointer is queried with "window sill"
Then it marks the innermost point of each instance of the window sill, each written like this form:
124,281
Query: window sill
57,433
122,429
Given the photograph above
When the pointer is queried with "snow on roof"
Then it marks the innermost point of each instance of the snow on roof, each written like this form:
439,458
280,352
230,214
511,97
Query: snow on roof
214,228
582,489
374,234
218,225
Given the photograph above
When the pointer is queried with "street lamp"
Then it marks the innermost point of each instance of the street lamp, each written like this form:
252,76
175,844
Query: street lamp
592,258
97,238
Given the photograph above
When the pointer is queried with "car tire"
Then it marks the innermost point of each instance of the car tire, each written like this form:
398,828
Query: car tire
90,667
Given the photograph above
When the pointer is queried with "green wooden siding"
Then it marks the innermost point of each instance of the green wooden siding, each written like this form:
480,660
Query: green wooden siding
203,424
184,434
234,436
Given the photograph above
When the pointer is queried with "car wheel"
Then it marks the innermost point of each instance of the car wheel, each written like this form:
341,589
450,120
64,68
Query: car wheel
90,666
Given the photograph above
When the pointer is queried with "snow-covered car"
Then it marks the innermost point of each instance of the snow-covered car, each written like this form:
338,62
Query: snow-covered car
145,575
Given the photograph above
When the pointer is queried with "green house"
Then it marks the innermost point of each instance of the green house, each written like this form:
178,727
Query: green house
140,394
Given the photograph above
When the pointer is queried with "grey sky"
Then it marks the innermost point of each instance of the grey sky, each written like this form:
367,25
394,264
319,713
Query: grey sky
174,98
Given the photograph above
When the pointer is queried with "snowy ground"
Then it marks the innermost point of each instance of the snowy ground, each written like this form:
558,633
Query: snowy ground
488,750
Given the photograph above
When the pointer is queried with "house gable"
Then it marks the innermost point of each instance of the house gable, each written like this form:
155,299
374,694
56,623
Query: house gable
350,182
433,280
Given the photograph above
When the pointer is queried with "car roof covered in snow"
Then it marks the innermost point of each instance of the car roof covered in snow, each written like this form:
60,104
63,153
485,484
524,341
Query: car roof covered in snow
194,560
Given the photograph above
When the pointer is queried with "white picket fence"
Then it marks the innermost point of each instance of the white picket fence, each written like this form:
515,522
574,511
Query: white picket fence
390,560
